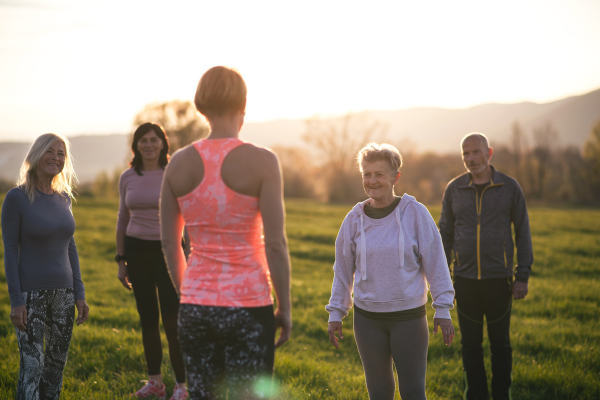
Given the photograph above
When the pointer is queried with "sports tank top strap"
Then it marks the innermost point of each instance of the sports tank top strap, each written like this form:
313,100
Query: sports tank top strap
213,153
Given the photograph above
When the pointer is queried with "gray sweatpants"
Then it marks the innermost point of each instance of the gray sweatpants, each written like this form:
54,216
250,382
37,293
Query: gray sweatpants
404,342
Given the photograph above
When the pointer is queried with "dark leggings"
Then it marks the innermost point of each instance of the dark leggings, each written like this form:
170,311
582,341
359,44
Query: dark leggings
405,342
228,351
147,271
474,299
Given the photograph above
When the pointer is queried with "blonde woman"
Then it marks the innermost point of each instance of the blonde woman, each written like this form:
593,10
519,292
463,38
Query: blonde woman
42,266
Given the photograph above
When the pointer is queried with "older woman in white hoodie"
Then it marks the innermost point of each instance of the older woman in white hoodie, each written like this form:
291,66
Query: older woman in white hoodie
387,251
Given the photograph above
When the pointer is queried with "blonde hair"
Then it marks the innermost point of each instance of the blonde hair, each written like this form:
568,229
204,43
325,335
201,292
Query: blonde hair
380,151
221,90
61,183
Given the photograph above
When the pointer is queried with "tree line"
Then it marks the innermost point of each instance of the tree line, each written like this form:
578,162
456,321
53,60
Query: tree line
325,168
547,171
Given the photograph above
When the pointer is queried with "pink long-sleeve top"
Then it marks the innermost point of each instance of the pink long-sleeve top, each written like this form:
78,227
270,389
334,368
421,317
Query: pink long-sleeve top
138,204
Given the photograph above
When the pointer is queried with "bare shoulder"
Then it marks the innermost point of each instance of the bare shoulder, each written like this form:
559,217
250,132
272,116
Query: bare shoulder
264,155
256,157
256,150
185,171
181,159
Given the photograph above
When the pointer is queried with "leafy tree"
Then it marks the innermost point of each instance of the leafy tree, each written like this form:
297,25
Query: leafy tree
335,143
298,172
106,185
591,154
180,120
545,138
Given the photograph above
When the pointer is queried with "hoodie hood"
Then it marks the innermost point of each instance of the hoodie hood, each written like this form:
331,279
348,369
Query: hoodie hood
398,212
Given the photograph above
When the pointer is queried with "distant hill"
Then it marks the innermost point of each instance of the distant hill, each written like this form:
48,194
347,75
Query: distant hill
440,130
429,129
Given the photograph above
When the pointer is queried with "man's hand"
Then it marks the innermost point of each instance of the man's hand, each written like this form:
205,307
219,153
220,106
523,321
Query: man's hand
447,329
520,290
332,327
18,316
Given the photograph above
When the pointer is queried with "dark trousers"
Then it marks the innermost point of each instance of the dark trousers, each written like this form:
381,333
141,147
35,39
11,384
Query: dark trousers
50,315
148,273
474,300
229,352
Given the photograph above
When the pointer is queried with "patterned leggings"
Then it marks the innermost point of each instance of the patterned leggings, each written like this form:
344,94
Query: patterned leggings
50,315
228,351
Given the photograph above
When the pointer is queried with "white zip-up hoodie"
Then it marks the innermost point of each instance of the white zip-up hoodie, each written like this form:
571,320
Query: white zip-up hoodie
389,262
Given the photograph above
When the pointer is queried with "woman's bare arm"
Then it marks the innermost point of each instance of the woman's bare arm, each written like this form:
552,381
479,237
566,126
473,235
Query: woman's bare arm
171,229
273,215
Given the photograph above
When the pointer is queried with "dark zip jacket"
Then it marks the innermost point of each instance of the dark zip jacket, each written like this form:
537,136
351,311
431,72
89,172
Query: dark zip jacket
476,230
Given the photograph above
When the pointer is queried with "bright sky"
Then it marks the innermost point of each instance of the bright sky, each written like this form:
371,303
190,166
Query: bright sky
75,67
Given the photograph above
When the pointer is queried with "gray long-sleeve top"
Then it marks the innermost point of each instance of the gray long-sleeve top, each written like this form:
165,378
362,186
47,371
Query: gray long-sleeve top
39,248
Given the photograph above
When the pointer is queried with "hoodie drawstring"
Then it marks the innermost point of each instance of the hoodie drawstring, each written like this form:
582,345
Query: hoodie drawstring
400,237
363,249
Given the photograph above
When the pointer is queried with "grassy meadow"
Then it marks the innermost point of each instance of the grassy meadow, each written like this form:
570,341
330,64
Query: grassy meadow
555,330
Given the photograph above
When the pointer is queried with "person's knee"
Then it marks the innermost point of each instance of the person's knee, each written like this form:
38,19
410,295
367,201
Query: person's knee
34,367
149,323
503,349
413,392
471,347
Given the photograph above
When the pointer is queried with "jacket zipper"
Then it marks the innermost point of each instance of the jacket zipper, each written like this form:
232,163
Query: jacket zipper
478,201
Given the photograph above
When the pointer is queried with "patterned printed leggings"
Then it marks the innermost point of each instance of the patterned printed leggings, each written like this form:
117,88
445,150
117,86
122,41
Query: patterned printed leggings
50,315
228,351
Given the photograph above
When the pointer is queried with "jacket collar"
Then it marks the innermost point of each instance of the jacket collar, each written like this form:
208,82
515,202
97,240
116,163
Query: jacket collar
495,179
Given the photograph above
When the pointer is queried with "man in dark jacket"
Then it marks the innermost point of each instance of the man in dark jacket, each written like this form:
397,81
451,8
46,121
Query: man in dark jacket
478,209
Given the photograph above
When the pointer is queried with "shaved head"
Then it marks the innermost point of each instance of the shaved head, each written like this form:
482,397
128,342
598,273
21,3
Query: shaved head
482,138
476,153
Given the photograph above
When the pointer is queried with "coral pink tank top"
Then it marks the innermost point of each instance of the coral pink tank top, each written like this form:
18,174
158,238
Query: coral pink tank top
228,265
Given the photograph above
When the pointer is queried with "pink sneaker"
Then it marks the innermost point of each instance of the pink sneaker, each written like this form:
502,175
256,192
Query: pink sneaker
151,391
180,393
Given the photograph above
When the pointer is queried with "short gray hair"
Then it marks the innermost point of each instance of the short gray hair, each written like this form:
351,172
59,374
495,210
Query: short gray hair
380,151
481,137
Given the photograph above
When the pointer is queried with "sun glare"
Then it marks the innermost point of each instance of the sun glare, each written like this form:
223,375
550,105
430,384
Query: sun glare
80,68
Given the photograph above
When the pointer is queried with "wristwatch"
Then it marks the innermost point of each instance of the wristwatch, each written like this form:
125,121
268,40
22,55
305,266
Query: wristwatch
119,257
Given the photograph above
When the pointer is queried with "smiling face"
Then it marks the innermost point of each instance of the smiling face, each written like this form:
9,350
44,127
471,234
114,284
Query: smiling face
379,181
475,154
52,161
150,146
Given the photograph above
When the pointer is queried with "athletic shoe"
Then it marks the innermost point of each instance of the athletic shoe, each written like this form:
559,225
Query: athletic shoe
180,393
151,391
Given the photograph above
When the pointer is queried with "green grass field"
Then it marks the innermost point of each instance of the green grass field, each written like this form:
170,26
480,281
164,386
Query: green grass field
555,331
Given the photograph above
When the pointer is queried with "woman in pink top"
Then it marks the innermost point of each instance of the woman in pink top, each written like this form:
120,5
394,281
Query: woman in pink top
227,193
140,258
